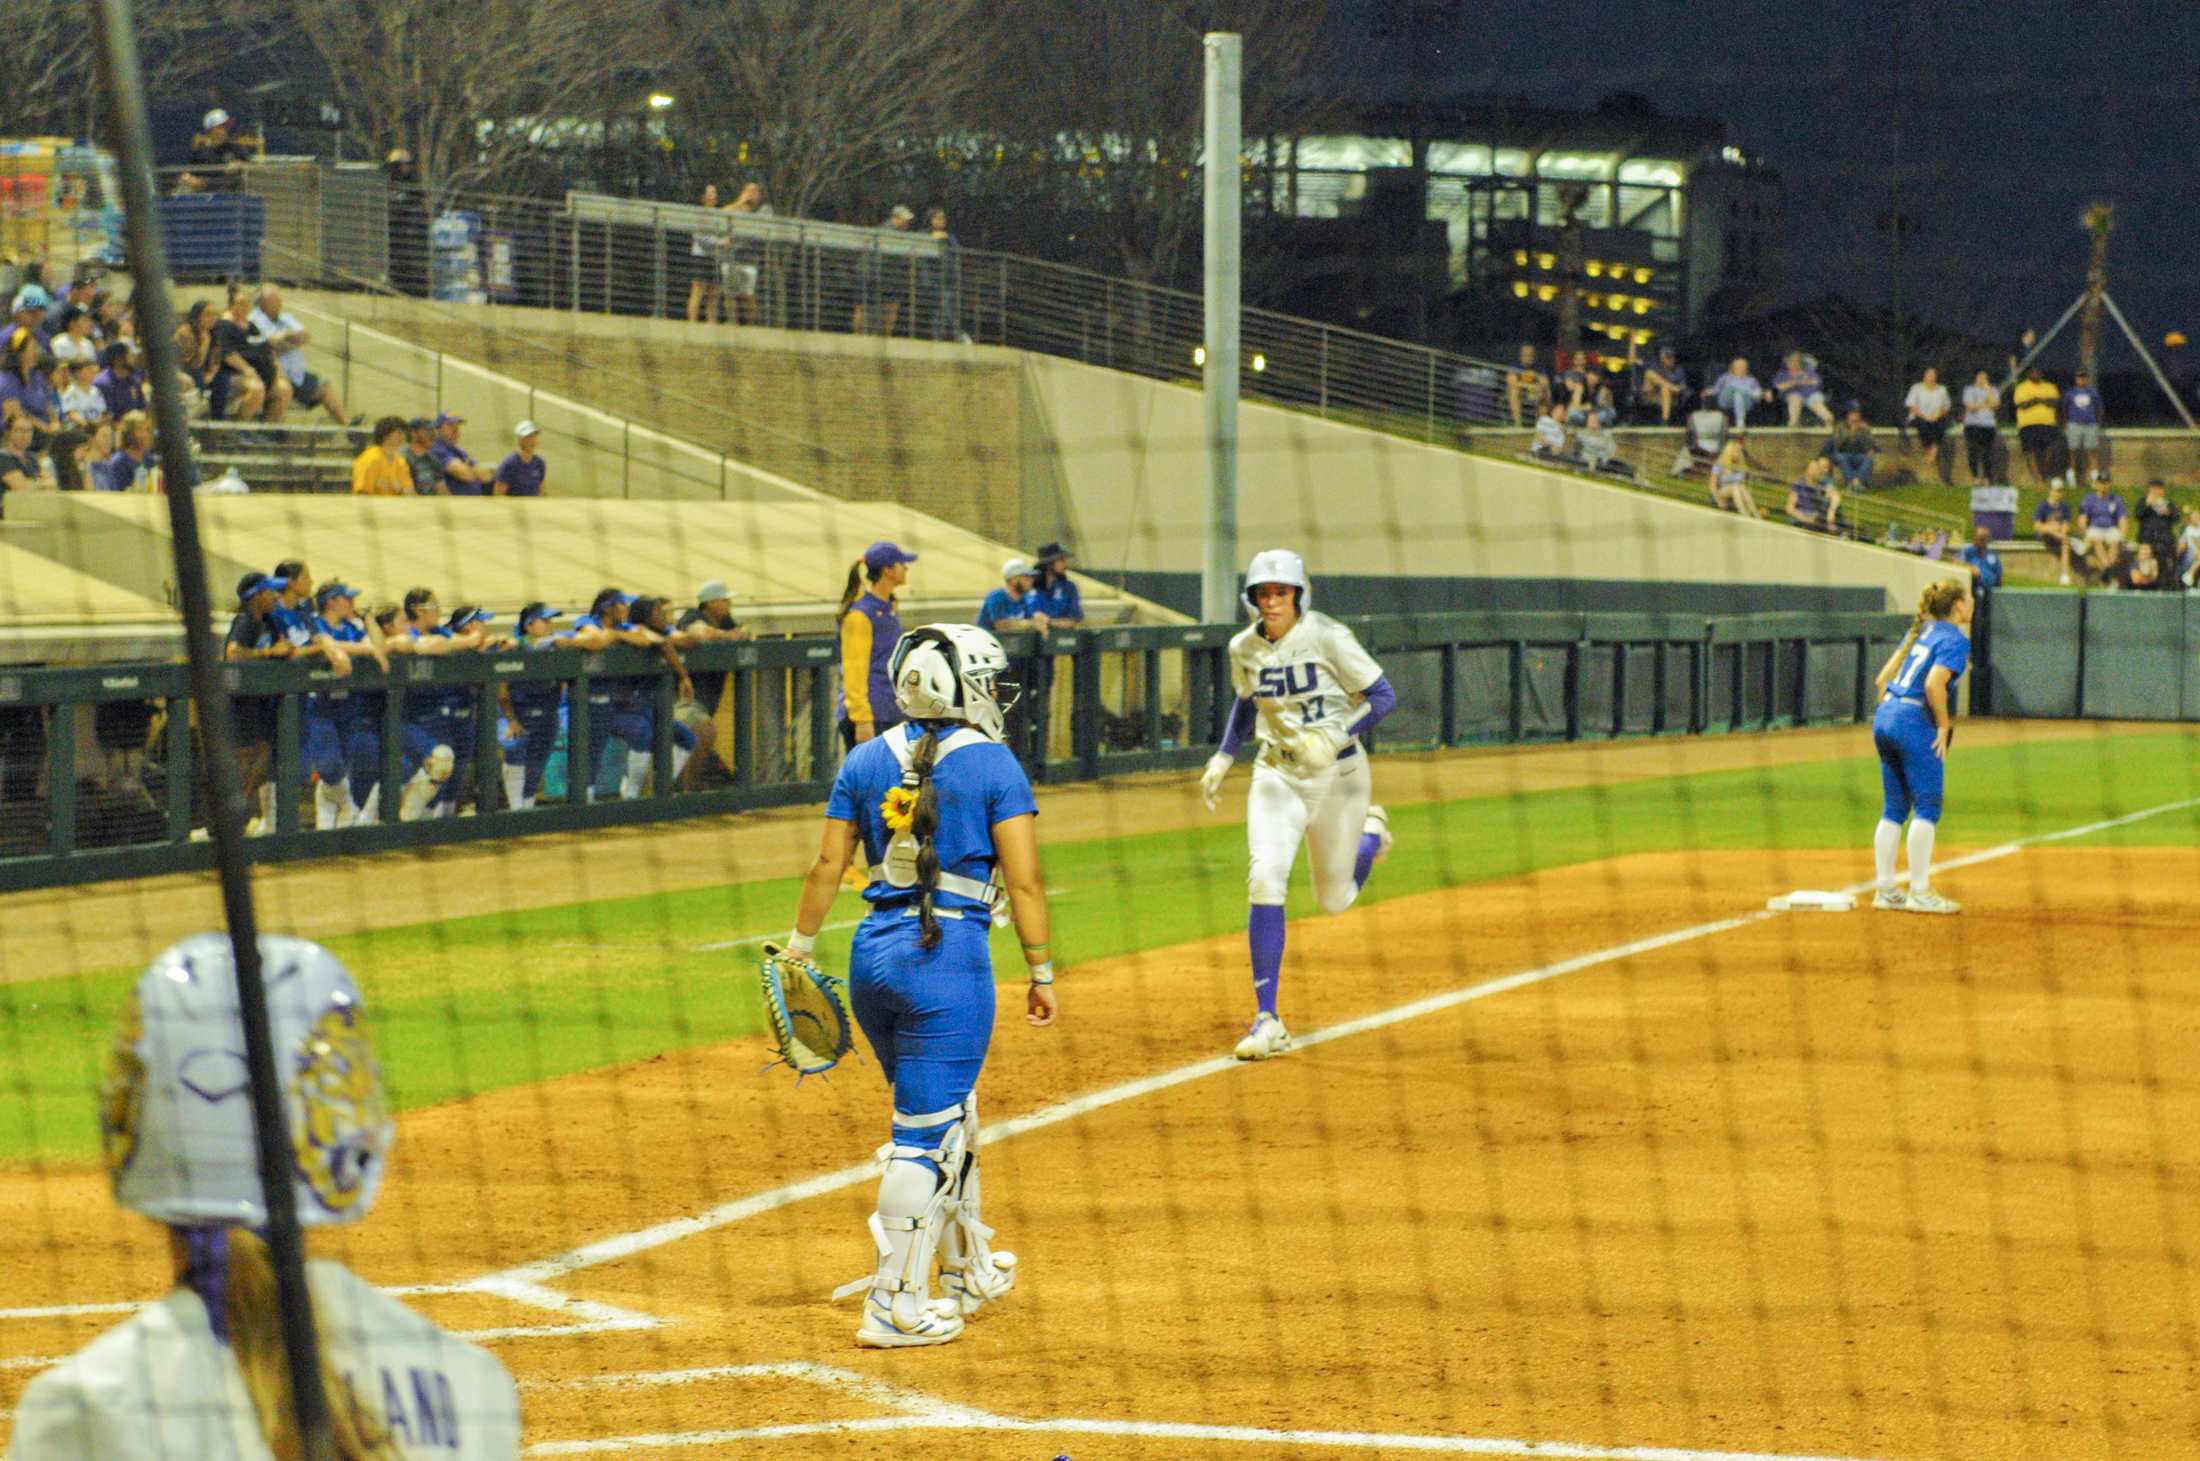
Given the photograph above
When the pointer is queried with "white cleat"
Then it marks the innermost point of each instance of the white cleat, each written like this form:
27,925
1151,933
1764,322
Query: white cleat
1931,902
936,1323
1265,1040
972,1291
1893,898
1378,822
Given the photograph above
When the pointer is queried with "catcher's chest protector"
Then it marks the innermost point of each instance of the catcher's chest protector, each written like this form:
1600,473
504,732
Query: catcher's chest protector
899,865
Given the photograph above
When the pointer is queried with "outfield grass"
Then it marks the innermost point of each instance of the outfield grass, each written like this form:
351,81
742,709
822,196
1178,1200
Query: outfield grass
467,1006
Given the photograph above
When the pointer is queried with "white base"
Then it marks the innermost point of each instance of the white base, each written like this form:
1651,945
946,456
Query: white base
1808,900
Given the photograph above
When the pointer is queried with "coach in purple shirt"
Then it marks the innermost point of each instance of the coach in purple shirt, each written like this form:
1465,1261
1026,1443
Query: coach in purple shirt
462,475
2103,514
521,473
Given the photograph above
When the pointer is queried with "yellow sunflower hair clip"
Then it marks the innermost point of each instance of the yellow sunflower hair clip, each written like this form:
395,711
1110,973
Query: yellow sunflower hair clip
899,808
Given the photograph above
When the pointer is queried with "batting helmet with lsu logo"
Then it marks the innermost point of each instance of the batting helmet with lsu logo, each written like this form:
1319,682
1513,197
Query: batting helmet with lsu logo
1279,565
175,1110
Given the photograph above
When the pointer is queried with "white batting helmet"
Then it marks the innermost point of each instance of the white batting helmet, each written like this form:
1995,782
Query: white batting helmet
1279,565
175,1111
951,672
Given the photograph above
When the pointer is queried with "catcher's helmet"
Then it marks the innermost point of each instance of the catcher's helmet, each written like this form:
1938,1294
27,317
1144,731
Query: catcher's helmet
1279,565
952,672
175,1111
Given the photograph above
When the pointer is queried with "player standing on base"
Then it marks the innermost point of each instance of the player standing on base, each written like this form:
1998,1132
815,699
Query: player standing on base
1912,729
935,805
202,1372
1312,691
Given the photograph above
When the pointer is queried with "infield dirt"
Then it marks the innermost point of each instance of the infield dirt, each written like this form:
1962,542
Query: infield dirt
1853,1184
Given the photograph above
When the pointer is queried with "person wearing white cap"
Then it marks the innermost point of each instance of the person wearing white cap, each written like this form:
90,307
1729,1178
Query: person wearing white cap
1013,606
218,156
521,473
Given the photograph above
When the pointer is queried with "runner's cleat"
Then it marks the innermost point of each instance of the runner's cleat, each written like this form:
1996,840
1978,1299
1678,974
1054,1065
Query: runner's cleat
1265,1040
1893,898
1931,902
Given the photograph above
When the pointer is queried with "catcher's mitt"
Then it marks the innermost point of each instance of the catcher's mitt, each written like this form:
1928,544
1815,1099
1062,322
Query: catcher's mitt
808,1010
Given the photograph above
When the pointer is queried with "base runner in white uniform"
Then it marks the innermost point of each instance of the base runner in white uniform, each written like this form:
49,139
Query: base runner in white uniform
1310,691
201,1375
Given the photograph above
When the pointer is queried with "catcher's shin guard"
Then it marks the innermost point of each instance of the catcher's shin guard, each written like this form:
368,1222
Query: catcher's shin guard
332,805
972,1272
898,1309
412,803
515,786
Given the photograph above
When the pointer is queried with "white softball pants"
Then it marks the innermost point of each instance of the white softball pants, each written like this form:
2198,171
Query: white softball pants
1328,810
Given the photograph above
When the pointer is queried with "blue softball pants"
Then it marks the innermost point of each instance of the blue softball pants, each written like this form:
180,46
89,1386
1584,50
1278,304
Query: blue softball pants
1909,773
927,1015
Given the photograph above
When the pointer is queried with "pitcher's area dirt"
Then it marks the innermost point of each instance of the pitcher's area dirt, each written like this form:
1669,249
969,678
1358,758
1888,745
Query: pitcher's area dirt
1858,1185
100,926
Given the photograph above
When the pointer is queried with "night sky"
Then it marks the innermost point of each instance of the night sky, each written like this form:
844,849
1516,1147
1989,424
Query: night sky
1991,124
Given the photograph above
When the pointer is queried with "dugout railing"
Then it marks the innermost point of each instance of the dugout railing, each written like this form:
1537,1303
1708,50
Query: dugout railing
1099,702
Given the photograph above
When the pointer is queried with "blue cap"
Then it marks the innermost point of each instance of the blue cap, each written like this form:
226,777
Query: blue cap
537,611
253,583
33,296
468,614
335,591
448,418
883,555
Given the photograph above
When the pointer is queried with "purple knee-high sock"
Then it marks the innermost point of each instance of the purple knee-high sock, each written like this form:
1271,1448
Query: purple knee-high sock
1264,932
1364,863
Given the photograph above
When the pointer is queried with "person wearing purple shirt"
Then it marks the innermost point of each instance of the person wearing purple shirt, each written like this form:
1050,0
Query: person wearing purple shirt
2082,428
521,473
2103,514
462,475
1798,384
1737,392
119,383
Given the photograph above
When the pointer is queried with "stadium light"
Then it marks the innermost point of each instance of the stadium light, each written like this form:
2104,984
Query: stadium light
660,101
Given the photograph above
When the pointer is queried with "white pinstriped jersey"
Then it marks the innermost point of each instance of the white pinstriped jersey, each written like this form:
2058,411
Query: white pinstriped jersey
1313,676
161,1387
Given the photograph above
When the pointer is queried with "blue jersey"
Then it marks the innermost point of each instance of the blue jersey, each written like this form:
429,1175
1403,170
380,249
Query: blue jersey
978,785
1058,600
535,697
1001,606
336,701
1941,644
298,625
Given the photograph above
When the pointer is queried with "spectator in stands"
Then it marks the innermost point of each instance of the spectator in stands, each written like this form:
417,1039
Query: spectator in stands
2145,570
243,385
1527,386
33,306
195,345
20,467
2051,526
1550,432
1853,451
81,402
380,470
2021,354
2036,399
1801,389
69,459
521,474
427,472
1928,407
1730,481
742,268
1814,502
1058,598
705,248
1737,392
2103,513
2156,519
2081,406
1013,608
2188,549
1983,561
113,322
118,382
131,469
1664,381
218,155
73,341
462,475
879,286
870,625
939,282
1981,407
1594,441
286,339
26,389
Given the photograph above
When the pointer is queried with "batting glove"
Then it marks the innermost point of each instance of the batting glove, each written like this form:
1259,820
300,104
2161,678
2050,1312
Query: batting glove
1210,780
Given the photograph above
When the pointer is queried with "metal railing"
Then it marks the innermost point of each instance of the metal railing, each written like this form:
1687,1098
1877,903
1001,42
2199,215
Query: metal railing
99,773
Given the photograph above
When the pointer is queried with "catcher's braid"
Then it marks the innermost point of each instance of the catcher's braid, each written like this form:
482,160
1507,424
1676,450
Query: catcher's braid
924,825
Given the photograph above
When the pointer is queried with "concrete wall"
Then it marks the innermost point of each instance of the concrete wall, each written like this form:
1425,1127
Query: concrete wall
1128,452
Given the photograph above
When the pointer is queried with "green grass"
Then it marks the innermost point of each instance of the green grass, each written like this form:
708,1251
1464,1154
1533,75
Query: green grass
473,1005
